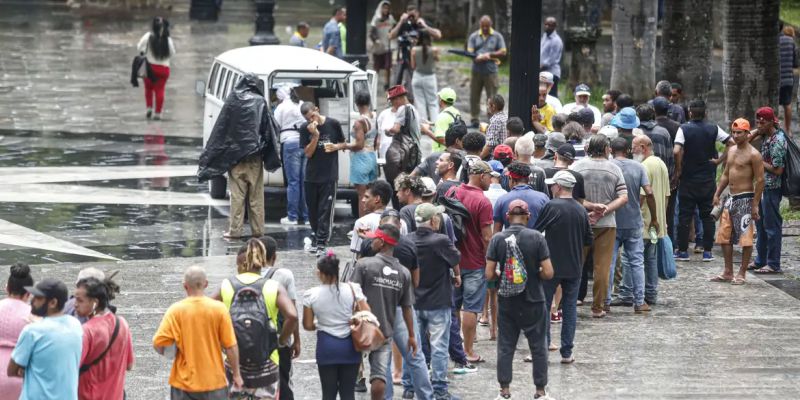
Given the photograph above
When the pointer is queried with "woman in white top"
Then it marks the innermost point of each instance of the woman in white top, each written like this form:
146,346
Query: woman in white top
158,48
289,118
327,309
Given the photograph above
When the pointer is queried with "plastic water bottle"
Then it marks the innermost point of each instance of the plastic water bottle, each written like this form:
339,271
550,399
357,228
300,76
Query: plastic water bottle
307,244
653,235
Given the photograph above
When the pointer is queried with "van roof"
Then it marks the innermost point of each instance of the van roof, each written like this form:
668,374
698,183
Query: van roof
263,60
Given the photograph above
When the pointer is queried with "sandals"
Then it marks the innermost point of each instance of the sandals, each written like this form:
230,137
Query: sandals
738,281
754,266
476,361
483,322
721,279
767,270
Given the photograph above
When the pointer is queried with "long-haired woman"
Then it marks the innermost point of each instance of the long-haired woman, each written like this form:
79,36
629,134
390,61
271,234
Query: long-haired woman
159,49
15,313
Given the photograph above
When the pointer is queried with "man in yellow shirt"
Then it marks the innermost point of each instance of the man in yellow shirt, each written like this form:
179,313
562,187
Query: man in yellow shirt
447,115
200,329
542,113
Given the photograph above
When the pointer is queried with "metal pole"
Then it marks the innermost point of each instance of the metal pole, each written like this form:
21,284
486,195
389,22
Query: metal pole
265,23
526,32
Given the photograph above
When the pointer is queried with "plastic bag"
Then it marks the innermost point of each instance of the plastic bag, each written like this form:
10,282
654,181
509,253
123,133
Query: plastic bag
790,180
666,260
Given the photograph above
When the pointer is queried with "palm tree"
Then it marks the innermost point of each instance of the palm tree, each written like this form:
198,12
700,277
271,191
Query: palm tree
686,41
750,66
634,47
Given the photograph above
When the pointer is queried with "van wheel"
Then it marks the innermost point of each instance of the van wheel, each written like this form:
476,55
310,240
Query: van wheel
217,187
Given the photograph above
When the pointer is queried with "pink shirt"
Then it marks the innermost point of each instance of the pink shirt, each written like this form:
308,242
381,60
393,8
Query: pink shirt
14,316
105,380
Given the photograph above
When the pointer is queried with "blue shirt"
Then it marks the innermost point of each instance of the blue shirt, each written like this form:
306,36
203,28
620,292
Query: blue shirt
332,38
629,216
550,53
536,201
50,351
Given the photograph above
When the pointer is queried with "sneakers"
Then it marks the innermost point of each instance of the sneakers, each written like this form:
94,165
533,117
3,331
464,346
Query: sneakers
157,117
445,396
641,309
361,386
503,396
707,256
556,318
463,369
287,221
320,251
568,360
149,113
682,256
408,394
617,302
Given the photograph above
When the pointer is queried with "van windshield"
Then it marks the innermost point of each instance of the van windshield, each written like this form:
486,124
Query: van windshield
329,94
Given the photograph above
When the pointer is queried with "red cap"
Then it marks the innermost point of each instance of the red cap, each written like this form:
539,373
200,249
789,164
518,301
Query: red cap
766,113
503,151
396,90
518,207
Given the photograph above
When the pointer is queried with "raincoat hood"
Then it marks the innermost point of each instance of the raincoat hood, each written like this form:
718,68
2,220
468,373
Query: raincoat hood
649,125
378,17
245,127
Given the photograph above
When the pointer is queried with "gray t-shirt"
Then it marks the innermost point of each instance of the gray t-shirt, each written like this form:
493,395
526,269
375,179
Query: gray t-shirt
629,216
485,44
387,286
333,307
285,277
603,182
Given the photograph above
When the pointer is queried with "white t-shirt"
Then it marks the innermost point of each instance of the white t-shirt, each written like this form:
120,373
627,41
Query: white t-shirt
721,136
385,122
370,222
572,107
143,46
289,118
555,102
333,307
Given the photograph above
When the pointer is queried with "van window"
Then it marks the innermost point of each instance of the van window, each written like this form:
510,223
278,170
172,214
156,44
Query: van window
358,86
212,79
227,85
234,81
221,83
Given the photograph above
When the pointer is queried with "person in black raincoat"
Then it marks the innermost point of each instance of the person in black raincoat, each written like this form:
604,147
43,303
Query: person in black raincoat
243,143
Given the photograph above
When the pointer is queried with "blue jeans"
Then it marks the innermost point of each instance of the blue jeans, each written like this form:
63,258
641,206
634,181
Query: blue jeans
456,346
650,276
294,166
632,264
768,228
415,372
472,293
436,323
569,299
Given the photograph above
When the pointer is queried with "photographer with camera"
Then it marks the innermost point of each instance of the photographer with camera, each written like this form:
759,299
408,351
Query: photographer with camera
407,32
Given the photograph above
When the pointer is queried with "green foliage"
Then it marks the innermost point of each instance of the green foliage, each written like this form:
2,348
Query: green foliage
790,12
788,214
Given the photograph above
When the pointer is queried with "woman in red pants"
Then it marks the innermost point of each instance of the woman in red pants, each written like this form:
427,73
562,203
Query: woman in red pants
158,47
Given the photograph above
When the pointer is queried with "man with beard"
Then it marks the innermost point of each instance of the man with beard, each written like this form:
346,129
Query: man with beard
48,352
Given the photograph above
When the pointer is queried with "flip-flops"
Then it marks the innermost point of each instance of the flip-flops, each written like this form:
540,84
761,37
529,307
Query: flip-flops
720,278
767,270
476,361
737,281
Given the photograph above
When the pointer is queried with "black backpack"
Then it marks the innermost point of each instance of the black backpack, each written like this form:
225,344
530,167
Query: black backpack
256,335
457,121
457,211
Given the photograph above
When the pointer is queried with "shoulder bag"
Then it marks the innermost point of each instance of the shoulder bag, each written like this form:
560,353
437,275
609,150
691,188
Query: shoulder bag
364,329
85,367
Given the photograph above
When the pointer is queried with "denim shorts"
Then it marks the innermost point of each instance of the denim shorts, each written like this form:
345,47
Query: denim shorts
379,362
363,167
472,293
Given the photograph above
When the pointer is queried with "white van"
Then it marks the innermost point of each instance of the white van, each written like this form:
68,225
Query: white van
323,79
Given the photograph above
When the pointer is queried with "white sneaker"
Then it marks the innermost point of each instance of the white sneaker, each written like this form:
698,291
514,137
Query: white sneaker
287,221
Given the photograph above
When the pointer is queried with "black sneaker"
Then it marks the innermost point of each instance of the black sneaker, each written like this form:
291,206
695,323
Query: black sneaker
149,114
408,394
621,303
445,395
361,386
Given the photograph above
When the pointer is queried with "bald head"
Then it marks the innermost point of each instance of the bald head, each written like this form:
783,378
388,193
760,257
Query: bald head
642,145
550,24
485,24
194,278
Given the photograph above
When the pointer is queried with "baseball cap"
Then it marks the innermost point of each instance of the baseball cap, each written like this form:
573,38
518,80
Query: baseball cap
586,116
609,131
546,77
740,124
660,105
396,91
518,207
766,113
539,139
555,140
447,95
566,151
479,167
497,168
50,288
90,272
503,151
583,89
562,178
626,119
430,186
425,211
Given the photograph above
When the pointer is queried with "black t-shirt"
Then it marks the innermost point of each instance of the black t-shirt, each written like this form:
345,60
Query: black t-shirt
405,252
534,251
437,256
565,225
577,191
444,186
323,167
407,215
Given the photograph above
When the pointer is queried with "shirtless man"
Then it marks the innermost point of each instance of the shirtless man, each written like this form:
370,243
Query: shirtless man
743,165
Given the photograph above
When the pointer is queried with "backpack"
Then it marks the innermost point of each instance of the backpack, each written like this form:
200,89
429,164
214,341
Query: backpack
457,211
513,275
457,121
255,324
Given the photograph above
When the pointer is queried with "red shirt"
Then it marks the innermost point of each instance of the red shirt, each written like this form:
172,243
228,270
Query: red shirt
106,379
473,252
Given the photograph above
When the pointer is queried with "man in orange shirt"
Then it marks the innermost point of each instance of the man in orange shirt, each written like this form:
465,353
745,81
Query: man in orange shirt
200,328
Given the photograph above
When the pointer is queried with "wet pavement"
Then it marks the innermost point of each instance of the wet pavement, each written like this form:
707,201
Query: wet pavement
85,180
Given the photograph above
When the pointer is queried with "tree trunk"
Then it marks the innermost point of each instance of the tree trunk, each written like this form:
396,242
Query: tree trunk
634,48
581,33
502,18
686,40
750,64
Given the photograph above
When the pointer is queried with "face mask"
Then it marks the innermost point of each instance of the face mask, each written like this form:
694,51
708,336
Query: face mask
638,157
41,311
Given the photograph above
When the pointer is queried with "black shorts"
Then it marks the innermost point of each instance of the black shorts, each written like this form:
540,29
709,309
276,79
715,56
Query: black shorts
382,61
785,95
